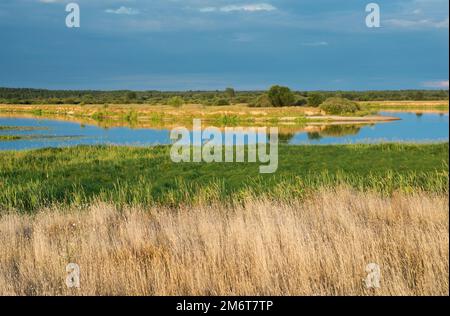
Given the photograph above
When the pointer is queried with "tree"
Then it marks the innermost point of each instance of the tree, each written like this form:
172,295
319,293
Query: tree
315,99
131,95
419,96
230,93
281,96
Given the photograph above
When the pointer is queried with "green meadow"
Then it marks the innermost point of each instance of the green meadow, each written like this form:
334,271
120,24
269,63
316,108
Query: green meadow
33,179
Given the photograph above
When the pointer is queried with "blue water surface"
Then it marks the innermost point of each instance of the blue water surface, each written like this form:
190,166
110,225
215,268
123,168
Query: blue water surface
427,127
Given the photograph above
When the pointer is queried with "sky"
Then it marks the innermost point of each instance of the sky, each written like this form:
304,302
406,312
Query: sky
209,45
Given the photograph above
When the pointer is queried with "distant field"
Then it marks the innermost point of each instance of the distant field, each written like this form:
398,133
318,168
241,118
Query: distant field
160,112
241,114
125,175
430,106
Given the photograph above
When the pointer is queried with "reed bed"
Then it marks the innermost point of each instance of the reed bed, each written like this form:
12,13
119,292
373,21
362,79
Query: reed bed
319,244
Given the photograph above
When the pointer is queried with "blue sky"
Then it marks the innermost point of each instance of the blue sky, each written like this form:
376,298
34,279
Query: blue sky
205,45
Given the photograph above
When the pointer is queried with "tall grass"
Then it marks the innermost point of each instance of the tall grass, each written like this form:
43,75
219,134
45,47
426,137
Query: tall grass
319,245
30,180
141,192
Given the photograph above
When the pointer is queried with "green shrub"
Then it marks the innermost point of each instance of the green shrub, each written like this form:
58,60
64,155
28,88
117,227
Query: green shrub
176,102
281,96
131,95
99,116
131,116
241,99
263,101
339,106
70,101
230,92
221,102
300,101
315,99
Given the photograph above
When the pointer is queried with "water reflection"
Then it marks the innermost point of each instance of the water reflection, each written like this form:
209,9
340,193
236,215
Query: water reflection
334,131
413,127
40,132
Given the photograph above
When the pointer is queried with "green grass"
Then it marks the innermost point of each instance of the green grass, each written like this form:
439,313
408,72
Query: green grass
22,128
127,175
380,106
6,138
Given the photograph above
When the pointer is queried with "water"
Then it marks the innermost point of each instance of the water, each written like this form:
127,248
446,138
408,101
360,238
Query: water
52,133
412,127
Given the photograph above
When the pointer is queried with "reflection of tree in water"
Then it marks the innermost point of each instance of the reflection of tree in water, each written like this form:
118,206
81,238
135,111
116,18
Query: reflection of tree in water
283,137
335,131
314,136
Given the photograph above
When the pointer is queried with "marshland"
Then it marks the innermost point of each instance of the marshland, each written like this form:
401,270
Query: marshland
94,184
119,119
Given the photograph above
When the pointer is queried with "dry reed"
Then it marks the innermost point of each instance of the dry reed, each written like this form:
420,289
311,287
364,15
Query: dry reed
317,246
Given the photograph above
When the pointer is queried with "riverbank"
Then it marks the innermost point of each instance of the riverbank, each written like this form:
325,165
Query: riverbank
145,115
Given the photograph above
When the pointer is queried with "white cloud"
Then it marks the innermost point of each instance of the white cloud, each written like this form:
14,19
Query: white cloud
249,7
123,10
444,84
418,24
243,8
208,9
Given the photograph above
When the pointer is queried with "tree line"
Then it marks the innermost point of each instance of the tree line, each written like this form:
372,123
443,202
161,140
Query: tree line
276,96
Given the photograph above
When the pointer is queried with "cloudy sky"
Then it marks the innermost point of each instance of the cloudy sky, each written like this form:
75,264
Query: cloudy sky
212,44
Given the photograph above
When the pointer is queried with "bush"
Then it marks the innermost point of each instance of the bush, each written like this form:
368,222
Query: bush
315,99
300,101
131,95
221,102
281,96
263,101
241,99
339,106
70,101
176,102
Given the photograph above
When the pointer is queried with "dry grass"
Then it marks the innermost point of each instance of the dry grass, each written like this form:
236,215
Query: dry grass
439,106
147,112
407,103
319,246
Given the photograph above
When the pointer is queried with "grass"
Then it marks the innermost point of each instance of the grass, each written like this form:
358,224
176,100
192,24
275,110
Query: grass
138,224
138,114
16,128
125,112
320,245
21,128
9,137
441,105
37,136
30,180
